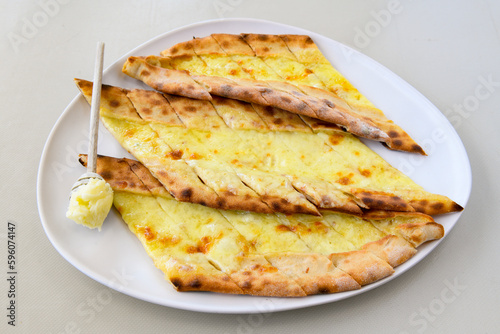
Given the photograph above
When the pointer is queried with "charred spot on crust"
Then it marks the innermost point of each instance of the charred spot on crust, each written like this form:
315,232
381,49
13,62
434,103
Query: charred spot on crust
457,207
286,99
323,290
269,110
146,111
276,206
114,103
190,109
262,37
195,283
246,94
367,200
176,282
265,49
393,134
190,87
220,203
417,148
397,142
246,285
174,50
278,121
106,175
187,193
437,206
299,208
145,73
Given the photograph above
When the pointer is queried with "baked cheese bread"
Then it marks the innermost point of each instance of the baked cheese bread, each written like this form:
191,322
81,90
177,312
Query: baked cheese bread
206,249
210,154
262,69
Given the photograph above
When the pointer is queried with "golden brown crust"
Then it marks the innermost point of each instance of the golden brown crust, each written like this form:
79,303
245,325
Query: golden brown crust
149,181
206,46
381,200
267,45
187,277
233,44
326,196
435,206
280,120
152,106
392,249
114,101
257,277
235,195
165,80
313,272
197,114
418,233
173,177
285,199
362,265
182,49
238,114
240,89
117,173
414,227
298,42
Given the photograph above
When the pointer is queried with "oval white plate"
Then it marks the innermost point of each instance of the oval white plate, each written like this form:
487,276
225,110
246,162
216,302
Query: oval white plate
115,258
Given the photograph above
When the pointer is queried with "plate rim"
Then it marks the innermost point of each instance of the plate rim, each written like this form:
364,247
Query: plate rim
306,301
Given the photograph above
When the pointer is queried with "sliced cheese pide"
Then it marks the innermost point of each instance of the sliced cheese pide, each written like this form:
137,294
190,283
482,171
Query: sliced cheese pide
164,240
168,165
314,273
297,59
269,59
299,247
211,237
331,168
226,150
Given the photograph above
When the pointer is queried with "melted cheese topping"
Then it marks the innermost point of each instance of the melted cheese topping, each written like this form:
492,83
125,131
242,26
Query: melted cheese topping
90,203
255,67
292,71
318,234
266,232
224,66
217,239
163,239
357,231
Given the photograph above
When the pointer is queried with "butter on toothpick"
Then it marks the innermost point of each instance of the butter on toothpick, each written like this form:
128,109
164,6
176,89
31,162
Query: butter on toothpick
90,203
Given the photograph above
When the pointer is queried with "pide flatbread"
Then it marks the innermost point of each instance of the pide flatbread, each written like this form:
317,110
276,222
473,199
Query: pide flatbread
215,149
249,177
286,71
206,249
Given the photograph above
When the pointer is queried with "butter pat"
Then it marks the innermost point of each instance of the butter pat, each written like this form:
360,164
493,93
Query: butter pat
90,203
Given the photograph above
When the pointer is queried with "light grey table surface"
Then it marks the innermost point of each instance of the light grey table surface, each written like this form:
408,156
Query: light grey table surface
448,50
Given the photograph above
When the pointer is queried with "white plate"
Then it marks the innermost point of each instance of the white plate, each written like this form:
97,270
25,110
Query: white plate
115,258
